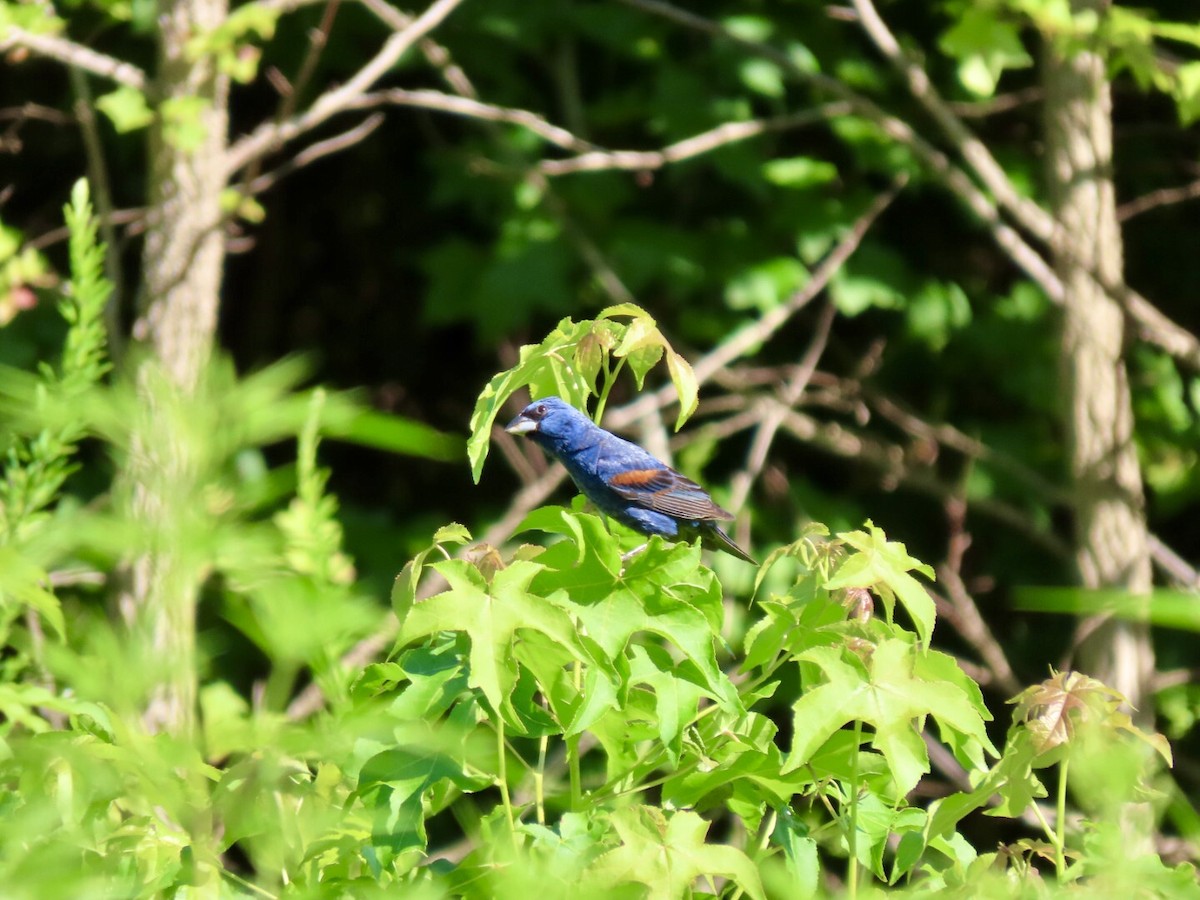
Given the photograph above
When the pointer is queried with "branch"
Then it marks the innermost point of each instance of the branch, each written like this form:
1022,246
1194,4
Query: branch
789,396
955,179
475,109
727,133
269,136
1001,103
893,465
1151,325
752,335
1155,199
76,56
312,153
1031,216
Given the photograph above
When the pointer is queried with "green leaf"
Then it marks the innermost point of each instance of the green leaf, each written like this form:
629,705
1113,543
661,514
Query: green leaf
544,365
127,108
667,853
404,590
799,172
676,699
985,45
664,590
766,285
1187,92
393,433
762,77
183,121
800,851
883,566
889,697
685,385
491,616
21,580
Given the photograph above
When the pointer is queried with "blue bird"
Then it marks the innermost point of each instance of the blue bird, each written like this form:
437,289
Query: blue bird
623,480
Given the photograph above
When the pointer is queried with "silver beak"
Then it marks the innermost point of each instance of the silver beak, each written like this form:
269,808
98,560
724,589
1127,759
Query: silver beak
521,425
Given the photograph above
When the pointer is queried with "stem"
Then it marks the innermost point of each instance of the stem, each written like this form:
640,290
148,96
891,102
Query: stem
1060,827
852,833
573,768
502,777
610,378
539,780
573,744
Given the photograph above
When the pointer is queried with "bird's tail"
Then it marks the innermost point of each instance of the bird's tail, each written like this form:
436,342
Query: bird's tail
719,540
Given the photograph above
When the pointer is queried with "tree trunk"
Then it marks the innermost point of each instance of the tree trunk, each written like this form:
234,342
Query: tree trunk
1110,526
182,266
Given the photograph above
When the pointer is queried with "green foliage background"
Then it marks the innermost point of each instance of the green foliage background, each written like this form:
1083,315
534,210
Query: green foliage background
554,719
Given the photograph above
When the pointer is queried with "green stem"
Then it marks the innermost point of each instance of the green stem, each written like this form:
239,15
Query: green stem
1060,827
502,777
573,746
852,831
573,768
610,378
539,780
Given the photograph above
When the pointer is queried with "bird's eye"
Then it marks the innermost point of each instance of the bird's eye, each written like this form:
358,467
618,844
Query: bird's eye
541,410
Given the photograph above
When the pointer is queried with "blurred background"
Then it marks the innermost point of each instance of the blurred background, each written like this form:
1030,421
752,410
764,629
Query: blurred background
408,260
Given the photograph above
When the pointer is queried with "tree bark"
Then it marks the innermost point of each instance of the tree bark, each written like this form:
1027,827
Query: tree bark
1111,542
182,265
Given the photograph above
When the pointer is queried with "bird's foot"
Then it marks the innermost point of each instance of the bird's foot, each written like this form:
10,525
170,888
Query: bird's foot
626,557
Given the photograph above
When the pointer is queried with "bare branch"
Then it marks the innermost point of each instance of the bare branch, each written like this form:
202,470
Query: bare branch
1031,216
269,136
1001,103
316,151
465,106
75,55
1151,325
35,111
895,469
750,336
961,609
727,133
1155,199
1172,564
789,396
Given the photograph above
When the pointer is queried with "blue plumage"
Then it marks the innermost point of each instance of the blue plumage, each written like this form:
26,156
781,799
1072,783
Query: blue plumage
623,480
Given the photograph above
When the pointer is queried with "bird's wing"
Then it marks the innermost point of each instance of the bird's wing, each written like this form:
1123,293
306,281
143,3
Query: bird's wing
664,490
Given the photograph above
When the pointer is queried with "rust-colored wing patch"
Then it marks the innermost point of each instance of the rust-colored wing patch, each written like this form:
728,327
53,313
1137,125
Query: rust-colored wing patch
667,491
648,479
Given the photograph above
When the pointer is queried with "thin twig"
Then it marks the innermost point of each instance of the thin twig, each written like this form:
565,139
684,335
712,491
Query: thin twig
1001,103
318,39
789,396
755,333
313,152
1172,564
465,106
705,142
1031,216
1150,324
964,613
1155,199
895,469
274,134
76,56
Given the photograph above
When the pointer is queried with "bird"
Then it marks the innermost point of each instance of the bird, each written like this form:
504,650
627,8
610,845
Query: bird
623,480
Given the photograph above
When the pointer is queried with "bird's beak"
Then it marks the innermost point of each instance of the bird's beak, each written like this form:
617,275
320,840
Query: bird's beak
522,424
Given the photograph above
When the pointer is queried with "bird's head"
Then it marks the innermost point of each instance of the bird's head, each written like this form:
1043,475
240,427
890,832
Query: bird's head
550,418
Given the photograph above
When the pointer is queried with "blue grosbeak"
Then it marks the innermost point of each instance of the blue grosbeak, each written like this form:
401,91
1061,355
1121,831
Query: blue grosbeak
623,480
